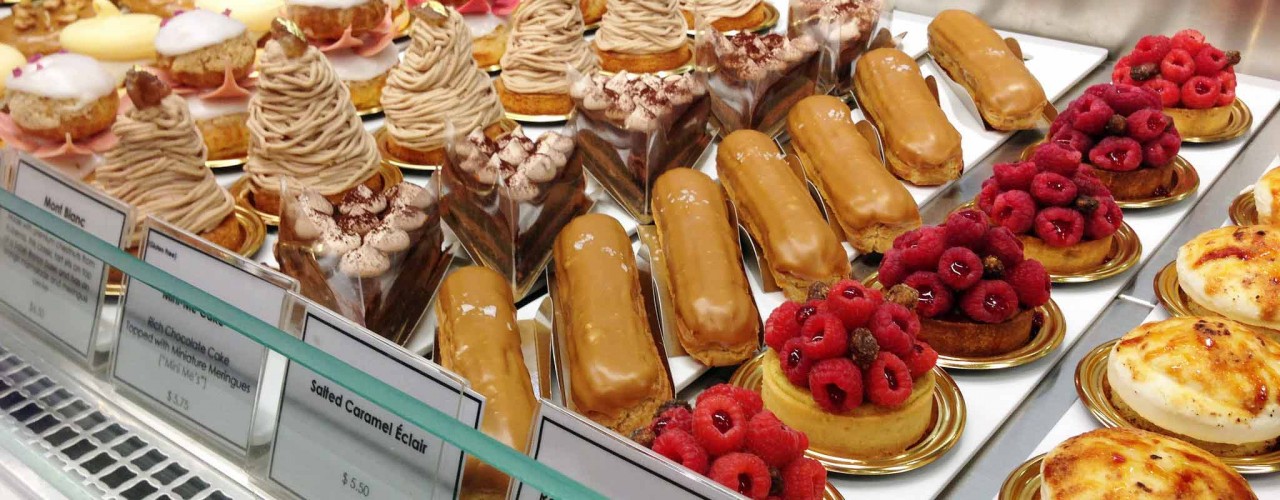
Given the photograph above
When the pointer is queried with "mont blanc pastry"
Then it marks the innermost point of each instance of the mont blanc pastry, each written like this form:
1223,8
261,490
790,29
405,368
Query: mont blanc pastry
1199,379
546,38
302,126
490,30
642,36
118,42
436,85
35,26
158,166
724,15
60,108
1234,272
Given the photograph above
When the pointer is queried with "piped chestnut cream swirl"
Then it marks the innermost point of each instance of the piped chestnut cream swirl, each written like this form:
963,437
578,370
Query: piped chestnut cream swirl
302,123
545,38
642,27
158,165
436,83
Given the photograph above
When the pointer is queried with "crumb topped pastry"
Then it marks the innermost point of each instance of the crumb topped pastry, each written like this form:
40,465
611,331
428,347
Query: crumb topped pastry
1234,272
62,97
35,25
642,36
546,39
332,19
1132,463
200,48
162,8
724,15
1208,381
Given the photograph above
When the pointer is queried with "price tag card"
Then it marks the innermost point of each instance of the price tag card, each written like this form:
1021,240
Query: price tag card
56,286
608,463
334,444
206,375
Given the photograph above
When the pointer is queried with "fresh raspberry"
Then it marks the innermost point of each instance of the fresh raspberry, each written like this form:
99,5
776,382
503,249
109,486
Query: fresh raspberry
1031,282
1092,114
804,479
1060,227
1146,124
1105,220
1054,157
1201,92
1014,175
892,270
836,384
1053,189
1003,245
1088,183
720,425
782,325
1189,40
679,446
1015,210
853,303
823,337
677,417
888,380
772,441
1123,73
1163,149
959,268
1228,80
744,473
990,301
795,365
1073,139
965,228
894,327
1063,121
922,250
1226,95
987,196
1098,89
1170,93
934,297
1117,154
1209,61
1177,66
747,398
1150,49
922,359
1125,99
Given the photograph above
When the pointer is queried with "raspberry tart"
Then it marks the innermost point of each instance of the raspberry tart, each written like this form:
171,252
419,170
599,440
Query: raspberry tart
1122,133
848,369
976,291
1062,213
1196,81
728,436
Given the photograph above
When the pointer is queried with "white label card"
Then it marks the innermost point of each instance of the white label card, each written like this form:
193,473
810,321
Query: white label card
45,279
334,444
174,355
607,463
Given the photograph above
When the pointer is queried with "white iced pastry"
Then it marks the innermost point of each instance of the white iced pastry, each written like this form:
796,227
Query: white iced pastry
63,76
194,30
352,67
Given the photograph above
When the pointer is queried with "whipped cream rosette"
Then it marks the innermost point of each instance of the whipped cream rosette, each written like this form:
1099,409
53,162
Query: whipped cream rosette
506,198
844,28
376,258
633,127
755,79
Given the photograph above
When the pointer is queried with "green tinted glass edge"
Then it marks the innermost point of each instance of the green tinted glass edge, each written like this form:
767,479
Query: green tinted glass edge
514,463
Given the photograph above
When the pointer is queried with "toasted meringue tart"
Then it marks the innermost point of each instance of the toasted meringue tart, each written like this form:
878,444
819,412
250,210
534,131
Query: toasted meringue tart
1266,196
1235,272
1133,463
1209,381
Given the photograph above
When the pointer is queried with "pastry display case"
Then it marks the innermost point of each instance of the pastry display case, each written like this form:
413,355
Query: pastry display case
537,317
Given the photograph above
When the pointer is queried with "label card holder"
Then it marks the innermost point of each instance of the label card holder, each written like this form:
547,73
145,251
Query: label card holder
198,373
606,462
55,286
332,443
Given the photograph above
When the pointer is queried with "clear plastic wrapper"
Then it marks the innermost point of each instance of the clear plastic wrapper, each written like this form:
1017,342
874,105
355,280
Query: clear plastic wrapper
845,28
376,258
754,79
633,127
507,197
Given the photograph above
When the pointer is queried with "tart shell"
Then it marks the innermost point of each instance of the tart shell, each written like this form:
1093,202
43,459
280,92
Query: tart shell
970,339
1082,256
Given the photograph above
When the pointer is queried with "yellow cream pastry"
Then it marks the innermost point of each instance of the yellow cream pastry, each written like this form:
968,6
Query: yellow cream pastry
10,58
1209,381
1234,272
1266,196
256,14
1129,463
118,42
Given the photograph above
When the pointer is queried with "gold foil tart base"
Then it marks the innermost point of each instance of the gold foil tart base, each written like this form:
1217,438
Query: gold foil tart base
255,233
1244,209
1095,391
522,118
1237,125
1185,183
831,493
381,136
242,194
948,423
368,112
226,163
1047,337
771,17
1024,482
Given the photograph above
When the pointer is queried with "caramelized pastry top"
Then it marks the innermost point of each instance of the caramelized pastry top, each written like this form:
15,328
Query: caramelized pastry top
997,76
1235,272
899,102
1266,196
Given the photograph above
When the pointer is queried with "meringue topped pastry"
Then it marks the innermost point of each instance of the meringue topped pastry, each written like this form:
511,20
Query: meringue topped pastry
1266,196
636,101
546,40
1234,272
1209,381
1132,463
515,161
642,36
